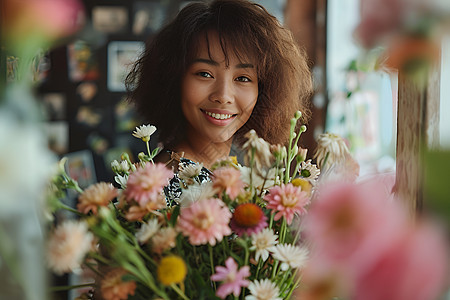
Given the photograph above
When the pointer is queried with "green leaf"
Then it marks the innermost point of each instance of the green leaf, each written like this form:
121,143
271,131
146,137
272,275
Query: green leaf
436,167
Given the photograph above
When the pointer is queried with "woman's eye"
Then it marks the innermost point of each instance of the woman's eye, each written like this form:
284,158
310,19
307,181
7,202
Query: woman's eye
243,79
204,74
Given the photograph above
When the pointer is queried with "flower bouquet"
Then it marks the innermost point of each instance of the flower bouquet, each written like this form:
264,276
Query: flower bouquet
235,235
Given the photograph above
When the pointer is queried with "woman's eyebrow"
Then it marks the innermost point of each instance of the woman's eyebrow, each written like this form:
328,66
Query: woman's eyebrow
206,61
214,63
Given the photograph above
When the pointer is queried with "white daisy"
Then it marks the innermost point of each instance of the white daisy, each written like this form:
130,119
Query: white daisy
189,171
147,230
258,178
330,148
309,170
290,256
144,132
196,192
263,289
263,242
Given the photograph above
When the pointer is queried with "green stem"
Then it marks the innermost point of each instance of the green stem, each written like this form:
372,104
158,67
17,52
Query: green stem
179,291
283,231
271,220
149,152
289,283
66,207
274,269
258,269
91,267
293,288
70,287
211,261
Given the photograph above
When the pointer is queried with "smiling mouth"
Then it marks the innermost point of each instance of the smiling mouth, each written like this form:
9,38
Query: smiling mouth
219,116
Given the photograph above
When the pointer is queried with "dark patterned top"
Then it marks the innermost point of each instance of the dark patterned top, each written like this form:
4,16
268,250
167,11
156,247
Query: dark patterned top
174,189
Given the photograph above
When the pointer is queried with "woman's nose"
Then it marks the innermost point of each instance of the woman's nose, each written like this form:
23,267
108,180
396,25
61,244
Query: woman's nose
222,92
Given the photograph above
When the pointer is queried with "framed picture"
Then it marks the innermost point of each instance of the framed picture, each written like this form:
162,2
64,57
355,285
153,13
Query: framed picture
80,166
148,16
110,19
57,136
121,56
54,106
82,63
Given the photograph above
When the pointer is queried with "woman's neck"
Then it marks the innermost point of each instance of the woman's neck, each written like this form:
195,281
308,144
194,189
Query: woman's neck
206,153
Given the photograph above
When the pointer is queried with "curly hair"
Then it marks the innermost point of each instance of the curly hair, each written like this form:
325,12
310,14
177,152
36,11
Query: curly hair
244,28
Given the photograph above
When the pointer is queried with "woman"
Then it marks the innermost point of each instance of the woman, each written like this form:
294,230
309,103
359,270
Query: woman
216,71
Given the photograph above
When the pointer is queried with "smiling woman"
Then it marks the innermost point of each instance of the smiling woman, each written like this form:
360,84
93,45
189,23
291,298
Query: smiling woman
216,71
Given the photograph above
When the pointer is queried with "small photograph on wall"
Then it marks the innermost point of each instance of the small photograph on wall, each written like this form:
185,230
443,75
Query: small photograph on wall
57,136
110,19
87,91
148,16
80,167
88,116
125,116
83,66
121,56
54,106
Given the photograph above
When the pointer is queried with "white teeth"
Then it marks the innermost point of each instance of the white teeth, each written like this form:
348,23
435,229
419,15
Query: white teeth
218,116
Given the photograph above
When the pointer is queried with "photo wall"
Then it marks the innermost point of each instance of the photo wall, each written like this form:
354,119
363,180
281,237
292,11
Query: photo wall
82,90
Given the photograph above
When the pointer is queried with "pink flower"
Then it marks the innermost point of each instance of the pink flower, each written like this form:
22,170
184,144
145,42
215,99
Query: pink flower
353,223
379,19
248,218
287,200
205,221
365,247
415,267
233,279
50,18
146,184
228,180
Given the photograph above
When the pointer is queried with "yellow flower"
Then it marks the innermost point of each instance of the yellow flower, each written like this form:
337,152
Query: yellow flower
171,269
303,183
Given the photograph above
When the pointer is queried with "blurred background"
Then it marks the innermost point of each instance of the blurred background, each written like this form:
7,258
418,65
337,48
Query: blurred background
80,83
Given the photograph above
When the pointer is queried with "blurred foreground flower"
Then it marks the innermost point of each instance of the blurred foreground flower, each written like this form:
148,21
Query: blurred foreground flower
409,31
365,247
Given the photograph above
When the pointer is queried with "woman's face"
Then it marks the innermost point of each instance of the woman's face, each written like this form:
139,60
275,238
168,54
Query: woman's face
217,99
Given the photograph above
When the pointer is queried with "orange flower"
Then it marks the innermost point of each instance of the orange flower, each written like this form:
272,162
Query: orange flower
99,194
114,288
248,218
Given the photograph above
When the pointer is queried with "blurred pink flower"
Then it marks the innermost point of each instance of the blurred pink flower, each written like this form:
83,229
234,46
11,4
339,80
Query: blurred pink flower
364,247
52,19
287,200
415,267
233,279
68,245
145,184
379,19
228,180
353,224
205,221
